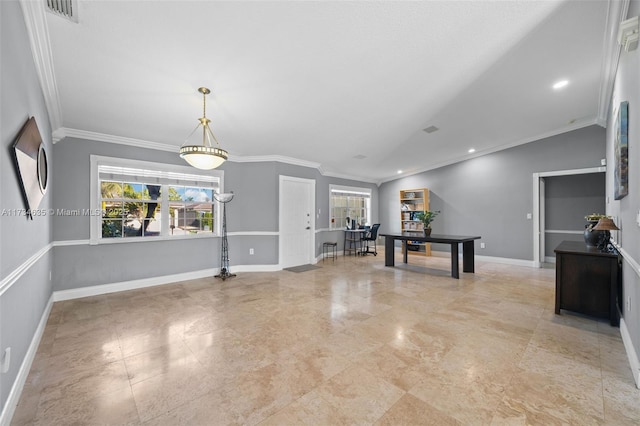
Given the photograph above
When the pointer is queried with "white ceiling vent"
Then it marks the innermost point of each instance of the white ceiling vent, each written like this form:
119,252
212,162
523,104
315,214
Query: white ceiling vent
430,129
65,8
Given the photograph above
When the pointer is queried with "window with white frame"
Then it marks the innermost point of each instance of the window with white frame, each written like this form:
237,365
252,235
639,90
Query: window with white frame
349,202
139,200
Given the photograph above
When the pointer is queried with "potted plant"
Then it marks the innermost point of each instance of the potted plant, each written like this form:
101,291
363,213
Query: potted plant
426,218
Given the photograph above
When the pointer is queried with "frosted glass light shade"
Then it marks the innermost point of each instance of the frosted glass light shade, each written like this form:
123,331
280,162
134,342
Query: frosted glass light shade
203,157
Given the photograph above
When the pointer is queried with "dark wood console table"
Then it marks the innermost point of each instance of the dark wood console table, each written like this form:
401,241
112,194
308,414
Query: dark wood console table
588,281
468,263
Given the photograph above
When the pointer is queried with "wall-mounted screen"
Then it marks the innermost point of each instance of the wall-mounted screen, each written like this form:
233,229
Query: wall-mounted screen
31,164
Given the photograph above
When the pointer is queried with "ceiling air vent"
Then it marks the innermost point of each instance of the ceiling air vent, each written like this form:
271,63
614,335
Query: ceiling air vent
64,8
431,129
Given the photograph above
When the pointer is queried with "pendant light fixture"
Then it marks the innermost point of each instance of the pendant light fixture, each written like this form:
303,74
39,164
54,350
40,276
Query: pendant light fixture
204,156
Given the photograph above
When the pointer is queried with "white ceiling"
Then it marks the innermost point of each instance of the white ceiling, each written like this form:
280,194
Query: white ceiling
324,82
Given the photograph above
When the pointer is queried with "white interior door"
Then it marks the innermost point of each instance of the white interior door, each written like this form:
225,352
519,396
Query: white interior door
297,223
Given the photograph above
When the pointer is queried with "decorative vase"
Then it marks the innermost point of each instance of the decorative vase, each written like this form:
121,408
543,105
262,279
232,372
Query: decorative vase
591,237
427,232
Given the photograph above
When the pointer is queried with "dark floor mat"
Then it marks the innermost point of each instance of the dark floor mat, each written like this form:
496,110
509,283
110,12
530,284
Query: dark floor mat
302,268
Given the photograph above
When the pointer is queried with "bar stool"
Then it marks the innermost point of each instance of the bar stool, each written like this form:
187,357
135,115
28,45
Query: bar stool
329,249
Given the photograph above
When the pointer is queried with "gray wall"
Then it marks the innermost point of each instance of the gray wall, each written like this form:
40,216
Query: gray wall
253,212
625,211
568,200
491,195
23,303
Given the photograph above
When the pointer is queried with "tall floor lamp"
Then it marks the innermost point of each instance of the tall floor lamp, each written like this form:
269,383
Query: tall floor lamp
224,252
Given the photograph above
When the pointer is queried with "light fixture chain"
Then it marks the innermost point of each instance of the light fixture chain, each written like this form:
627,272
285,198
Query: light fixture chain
204,105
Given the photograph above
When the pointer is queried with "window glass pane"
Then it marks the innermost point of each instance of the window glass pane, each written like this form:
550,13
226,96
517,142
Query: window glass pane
152,223
152,192
198,217
111,189
133,191
112,228
198,194
176,193
134,210
134,218
112,209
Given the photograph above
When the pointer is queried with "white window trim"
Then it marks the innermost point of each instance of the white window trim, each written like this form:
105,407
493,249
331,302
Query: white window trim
348,189
94,194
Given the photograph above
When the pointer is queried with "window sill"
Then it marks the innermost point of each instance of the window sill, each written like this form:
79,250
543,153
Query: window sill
100,241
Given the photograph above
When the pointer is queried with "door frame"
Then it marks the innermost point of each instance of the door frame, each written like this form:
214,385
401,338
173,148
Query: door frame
538,207
312,207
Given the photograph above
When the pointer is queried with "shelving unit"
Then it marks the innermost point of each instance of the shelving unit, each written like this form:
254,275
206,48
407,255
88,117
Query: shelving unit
413,201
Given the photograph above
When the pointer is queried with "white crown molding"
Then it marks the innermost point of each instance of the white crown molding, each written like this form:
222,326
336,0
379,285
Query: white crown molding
65,132
575,126
38,31
275,158
350,177
616,12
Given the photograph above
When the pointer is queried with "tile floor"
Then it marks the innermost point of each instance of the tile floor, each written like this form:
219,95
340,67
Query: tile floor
352,342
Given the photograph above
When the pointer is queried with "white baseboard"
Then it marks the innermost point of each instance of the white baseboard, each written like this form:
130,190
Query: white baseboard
634,363
255,268
18,384
96,290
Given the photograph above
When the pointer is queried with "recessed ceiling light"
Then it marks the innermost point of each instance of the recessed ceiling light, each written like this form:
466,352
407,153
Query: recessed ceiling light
560,84
472,150
399,171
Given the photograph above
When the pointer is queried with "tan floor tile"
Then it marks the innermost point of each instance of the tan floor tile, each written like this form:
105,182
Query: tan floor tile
116,407
360,393
174,357
165,392
310,409
71,388
533,398
409,410
352,342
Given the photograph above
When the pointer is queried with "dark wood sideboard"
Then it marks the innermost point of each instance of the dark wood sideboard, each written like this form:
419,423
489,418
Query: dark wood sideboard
588,281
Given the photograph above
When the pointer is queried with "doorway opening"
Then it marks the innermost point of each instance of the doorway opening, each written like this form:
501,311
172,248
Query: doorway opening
555,219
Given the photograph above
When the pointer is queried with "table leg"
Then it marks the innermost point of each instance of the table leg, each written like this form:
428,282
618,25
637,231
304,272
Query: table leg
468,262
405,251
455,269
344,245
388,251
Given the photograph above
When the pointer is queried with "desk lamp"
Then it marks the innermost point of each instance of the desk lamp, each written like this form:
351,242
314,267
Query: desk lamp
605,224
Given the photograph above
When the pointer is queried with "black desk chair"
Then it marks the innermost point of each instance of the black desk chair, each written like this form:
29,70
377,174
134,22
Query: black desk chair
372,235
